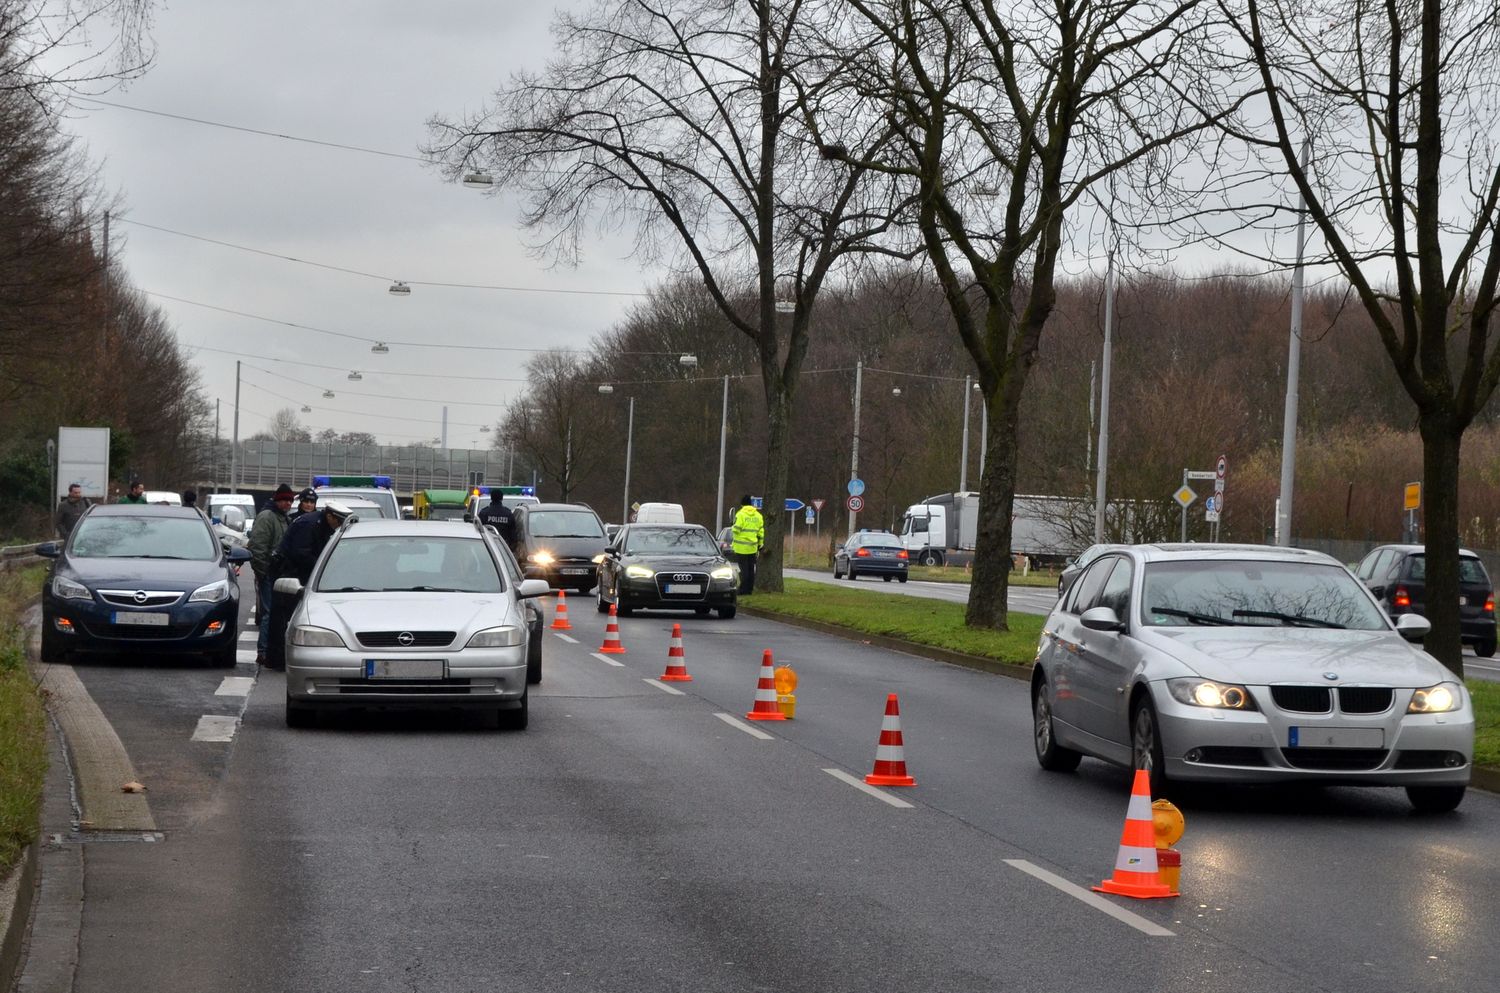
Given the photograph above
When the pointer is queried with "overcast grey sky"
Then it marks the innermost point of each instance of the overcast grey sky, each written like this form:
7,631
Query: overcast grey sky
355,72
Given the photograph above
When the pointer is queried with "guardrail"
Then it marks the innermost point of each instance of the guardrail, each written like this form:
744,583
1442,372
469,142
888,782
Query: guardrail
18,557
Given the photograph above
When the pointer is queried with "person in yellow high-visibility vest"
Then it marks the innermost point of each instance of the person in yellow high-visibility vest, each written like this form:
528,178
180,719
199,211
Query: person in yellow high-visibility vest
748,536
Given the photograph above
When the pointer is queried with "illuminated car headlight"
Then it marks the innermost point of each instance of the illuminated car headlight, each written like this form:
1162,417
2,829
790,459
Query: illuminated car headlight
598,559
723,572
1206,693
501,637
639,572
540,558
66,589
1439,699
311,637
212,593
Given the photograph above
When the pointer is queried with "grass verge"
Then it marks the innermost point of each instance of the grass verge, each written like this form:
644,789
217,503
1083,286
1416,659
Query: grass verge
23,737
1486,722
917,619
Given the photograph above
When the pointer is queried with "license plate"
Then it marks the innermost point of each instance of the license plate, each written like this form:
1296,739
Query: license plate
684,588
142,618
574,572
405,668
1316,737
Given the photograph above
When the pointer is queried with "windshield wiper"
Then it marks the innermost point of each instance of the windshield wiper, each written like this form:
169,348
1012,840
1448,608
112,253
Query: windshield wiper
570,536
428,589
1195,618
346,589
1299,619
180,558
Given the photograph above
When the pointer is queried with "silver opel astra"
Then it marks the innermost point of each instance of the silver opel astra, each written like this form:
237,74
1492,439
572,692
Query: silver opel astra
1246,664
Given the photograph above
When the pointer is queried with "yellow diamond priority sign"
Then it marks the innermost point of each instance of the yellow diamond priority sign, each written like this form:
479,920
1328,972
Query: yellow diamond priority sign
1185,496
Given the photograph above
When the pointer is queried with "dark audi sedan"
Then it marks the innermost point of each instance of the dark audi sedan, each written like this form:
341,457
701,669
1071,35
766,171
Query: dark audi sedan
668,566
141,580
871,553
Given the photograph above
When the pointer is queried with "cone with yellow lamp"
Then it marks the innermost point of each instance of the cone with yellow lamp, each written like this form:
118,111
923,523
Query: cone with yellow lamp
676,659
560,615
765,708
890,755
612,644
1135,864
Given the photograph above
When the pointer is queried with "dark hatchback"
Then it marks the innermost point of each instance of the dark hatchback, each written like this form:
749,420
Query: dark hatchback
871,553
1397,576
666,566
558,542
141,580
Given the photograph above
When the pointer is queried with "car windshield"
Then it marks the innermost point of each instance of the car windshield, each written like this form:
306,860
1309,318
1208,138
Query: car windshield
384,500
1470,570
129,537
410,564
1295,594
670,541
563,524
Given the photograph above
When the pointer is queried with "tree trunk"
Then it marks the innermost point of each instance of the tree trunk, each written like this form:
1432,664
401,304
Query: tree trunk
1440,452
989,589
768,573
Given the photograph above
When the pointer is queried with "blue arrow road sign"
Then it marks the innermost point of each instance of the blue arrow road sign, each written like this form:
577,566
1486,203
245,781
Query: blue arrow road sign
793,504
856,487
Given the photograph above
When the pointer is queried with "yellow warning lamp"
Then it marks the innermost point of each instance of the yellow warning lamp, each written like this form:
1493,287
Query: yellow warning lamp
1168,823
785,680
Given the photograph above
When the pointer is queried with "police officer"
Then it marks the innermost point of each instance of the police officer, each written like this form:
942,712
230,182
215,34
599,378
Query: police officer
298,552
307,502
498,516
748,536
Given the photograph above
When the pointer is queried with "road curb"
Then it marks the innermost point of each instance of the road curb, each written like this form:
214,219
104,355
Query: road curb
17,896
1480,779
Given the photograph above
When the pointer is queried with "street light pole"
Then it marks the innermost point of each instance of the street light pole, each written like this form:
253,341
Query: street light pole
1103,467
234,444
859,371
629,440
1293,373
723,445
963,458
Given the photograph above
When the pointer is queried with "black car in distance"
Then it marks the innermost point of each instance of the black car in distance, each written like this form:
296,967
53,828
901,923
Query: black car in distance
144,581
668,567
558,542
871,553
1397,576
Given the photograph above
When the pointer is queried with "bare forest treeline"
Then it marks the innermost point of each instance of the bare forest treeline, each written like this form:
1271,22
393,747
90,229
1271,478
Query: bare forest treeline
1199,369
78,345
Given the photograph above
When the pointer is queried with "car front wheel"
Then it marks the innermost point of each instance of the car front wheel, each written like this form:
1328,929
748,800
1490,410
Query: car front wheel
601,604
514,720
52,650
1145,745
1485,649
1435,799
1049,754
300,717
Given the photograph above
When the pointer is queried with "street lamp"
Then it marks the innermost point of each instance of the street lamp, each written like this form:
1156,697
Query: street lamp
380,348
479,180
327,394
400,289
607,389
354,377
689,360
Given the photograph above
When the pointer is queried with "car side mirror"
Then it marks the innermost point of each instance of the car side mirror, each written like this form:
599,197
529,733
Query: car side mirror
529,588
1101,619
239,553
49,549
1413,627
290,585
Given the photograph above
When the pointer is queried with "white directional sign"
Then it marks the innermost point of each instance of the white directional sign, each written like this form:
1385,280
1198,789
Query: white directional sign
1185,496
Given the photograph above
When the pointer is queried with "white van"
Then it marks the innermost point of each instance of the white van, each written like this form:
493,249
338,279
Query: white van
660,513
220,502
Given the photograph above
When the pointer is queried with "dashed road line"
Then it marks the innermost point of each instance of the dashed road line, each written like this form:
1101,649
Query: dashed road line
664,687
235,686
565,637
735,722
1091,898
607,660
245,655
249,636
865,787
215,727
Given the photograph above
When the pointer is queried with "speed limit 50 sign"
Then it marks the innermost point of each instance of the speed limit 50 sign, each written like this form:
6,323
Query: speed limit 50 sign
855,503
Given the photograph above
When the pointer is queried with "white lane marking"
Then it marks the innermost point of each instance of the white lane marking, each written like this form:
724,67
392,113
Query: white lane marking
1091,898
214,727
664,687
607,660
1486,666
249,636
245,655
865,787
569,639
735,722
235,686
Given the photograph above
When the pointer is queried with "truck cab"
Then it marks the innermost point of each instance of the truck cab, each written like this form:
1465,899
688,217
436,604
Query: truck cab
948,522
440,505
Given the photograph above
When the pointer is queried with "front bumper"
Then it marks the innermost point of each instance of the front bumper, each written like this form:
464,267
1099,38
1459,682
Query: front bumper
192,627
1390,748
487,678
650,593
564,574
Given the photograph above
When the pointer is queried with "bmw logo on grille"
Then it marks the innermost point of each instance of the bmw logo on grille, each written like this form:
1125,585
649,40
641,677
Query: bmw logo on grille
1331,676
140,596
682,577
405,639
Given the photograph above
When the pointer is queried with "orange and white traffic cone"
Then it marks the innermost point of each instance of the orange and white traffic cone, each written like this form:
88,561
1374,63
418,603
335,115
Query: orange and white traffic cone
890,761
765,694
612,644
560,616
676,660
1135,865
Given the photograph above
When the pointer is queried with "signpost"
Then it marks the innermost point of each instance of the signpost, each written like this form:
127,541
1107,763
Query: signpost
856,487
1412,504
82,458
793,505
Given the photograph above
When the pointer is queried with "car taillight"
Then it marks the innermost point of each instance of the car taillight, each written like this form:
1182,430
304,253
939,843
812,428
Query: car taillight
1489,604
863,553
1401,598
902,555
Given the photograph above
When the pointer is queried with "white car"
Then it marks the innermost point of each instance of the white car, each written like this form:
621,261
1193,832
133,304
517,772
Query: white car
1246,664
410,614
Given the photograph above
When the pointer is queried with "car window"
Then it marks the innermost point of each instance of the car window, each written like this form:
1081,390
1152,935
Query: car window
1383,565
563,524
1470,570
1214,591
1116,592
401,563
1088,585
384,500
1366,567
880,541
104,536
683,541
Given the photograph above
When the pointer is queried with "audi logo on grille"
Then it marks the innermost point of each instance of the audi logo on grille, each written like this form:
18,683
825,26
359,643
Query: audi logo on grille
405,639
140,596
682,577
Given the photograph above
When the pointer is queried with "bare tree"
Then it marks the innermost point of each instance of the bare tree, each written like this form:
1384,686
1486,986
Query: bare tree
555,423
1394,104
1013,118
681,119
52,47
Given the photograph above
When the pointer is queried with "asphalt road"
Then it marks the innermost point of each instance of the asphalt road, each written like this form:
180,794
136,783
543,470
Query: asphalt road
634,839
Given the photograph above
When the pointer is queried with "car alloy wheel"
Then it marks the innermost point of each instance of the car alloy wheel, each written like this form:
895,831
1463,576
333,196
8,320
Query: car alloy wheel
1145,745
1049,754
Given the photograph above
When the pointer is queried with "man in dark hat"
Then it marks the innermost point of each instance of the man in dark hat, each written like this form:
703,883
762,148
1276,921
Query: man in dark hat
190,498
265,536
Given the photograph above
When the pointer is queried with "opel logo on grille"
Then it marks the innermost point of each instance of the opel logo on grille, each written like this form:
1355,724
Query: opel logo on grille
1331,676
682,577
140,596
405,639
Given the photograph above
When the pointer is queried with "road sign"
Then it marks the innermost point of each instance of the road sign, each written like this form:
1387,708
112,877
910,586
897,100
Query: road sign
1220,467
793,504
855,503
1211,505
818,504
1211,516
757,503
1200,474
1413,496
809,518
1185,497
856,487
